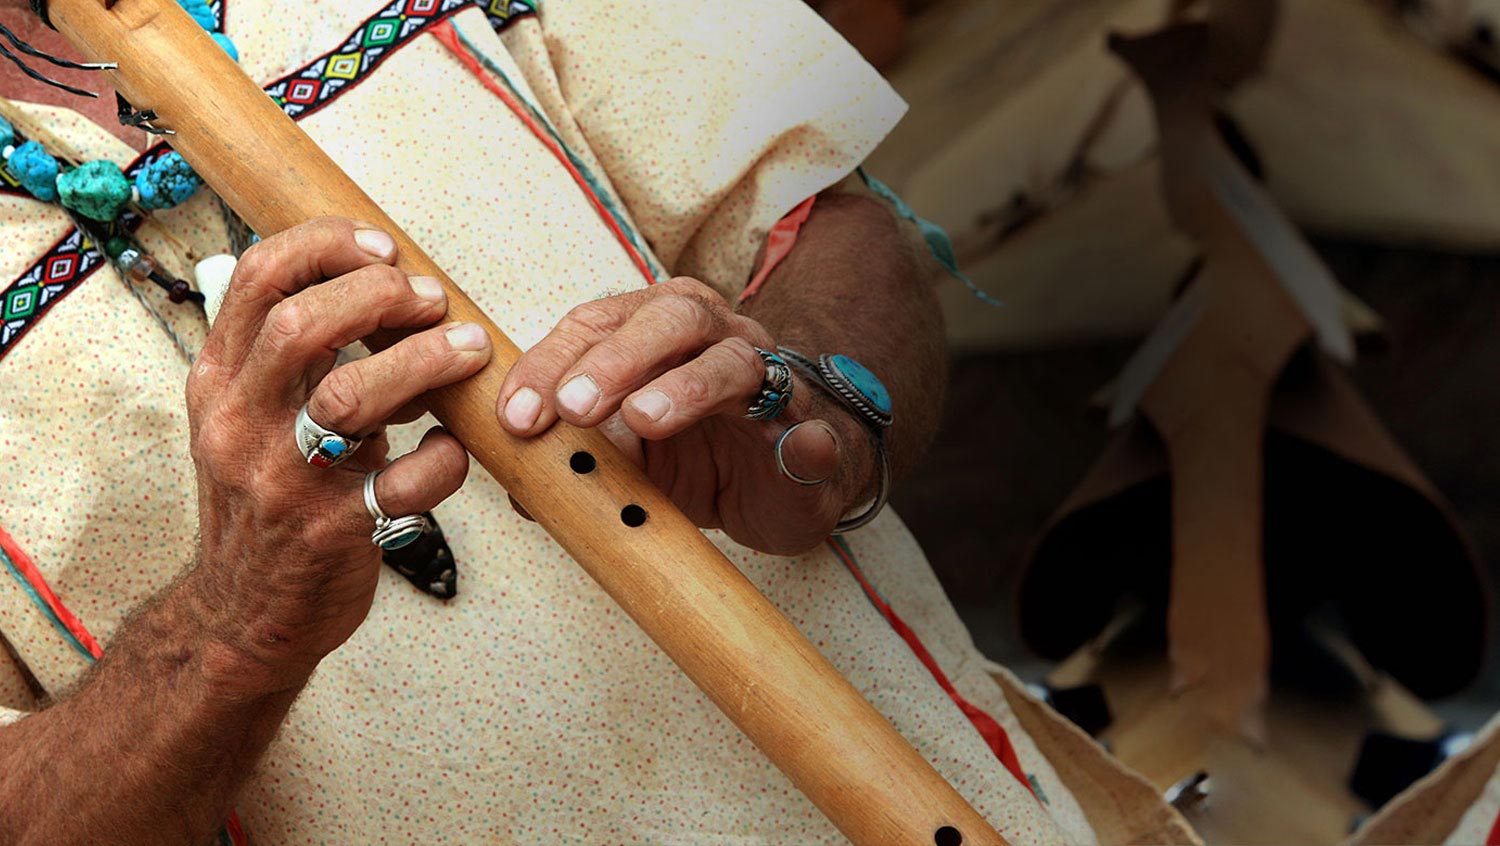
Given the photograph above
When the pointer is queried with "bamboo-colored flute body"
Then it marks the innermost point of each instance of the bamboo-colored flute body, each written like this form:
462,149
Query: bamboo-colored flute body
742,652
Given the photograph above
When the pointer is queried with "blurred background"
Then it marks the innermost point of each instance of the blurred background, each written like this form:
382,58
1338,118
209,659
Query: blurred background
1374,128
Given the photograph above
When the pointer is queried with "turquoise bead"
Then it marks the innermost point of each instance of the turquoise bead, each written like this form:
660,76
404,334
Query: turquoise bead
223,41
97,190
35,170
169,181
7,133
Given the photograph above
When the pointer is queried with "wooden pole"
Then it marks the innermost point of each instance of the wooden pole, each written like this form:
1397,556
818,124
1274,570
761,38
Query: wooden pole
749,659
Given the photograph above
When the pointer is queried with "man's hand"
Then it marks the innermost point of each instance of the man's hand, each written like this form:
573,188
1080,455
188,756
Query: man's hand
669,372
152,746
286,542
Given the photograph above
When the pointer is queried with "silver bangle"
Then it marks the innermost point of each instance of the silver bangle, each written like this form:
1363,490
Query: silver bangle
882,492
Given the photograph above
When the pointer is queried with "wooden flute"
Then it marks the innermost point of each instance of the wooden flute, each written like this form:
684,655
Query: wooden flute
742,652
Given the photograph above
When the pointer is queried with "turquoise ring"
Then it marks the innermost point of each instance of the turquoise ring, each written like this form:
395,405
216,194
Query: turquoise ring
322,447
775,390
392,533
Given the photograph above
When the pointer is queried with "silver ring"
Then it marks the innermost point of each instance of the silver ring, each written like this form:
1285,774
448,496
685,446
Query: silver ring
781,462
370,504
402,531
322,447
392,533
775,390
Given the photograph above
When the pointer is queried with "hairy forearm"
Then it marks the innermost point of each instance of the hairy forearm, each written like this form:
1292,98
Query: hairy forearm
855,284
153,743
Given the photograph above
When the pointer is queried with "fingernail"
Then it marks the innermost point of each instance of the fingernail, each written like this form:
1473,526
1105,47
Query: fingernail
375,242
523,408
467,336
427,288
579,396
653,404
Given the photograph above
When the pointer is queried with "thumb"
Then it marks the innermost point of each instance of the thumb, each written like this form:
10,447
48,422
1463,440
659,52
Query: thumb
808,453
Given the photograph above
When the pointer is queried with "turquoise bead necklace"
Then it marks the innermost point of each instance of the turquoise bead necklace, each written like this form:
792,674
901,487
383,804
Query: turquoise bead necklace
97,195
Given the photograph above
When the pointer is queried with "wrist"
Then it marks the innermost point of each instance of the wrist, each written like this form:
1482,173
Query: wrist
240,653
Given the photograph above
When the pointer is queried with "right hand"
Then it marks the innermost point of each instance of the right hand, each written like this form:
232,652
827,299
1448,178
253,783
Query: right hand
285,552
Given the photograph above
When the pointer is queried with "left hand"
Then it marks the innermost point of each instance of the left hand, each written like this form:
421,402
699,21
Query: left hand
668,373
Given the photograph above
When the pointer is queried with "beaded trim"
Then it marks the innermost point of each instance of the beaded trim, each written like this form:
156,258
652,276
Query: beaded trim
65,264
309,89
74,257
48,280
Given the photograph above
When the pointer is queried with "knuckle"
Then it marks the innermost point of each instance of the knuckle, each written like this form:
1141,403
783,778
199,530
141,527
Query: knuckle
433,357
251,264
385,287
685,316
325,232
611,364
338,397
694,390
285,323
391,280
590,318
540,367
742,353
194,392
215,440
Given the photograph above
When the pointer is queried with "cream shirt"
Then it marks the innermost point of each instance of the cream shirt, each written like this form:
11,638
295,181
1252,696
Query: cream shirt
529,707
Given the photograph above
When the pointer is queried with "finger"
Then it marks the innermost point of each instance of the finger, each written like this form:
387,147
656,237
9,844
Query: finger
417,481
808,453
284,264
662,334
362,395
627,442
525,405
306,330
724,379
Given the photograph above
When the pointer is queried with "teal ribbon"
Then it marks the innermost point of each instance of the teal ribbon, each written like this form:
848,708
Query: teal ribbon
938,242
606,198
46,609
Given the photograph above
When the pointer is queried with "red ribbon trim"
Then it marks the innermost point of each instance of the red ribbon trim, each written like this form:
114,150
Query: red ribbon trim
779,243
76,627
444,33
989,729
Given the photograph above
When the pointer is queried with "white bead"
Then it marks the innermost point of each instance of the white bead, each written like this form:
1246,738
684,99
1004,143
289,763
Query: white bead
9,148
135,195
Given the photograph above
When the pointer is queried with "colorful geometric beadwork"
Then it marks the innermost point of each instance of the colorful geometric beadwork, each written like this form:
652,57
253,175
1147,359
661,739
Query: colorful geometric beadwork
47,281
300,93
316,84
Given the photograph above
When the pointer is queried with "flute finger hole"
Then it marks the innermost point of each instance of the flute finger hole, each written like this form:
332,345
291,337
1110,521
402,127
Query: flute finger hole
947,836
633,516
582,462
